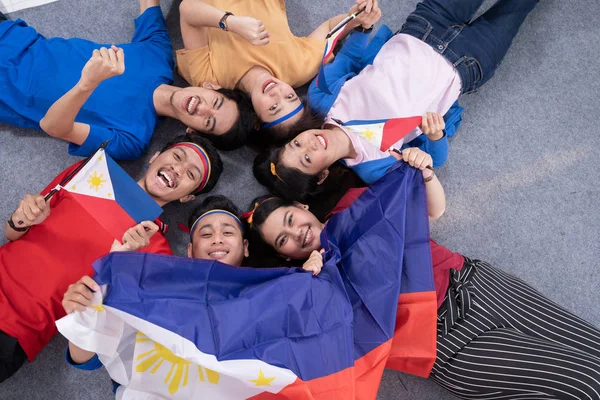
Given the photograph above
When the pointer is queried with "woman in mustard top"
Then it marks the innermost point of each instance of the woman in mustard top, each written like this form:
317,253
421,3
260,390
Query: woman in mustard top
248,45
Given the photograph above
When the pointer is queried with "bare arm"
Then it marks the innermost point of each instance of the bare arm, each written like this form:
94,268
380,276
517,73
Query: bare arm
196,17
323,29
59,120
436,198
146,4
78,355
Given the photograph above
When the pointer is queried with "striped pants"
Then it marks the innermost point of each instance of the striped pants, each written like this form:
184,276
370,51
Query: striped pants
498,338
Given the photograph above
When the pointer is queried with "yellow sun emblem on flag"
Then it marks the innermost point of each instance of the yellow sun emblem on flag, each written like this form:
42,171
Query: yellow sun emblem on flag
96,182
180,368
367,134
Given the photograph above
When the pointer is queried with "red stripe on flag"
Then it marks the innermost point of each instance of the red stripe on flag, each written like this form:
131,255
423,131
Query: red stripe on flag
359,382
108,213
397,128
414,343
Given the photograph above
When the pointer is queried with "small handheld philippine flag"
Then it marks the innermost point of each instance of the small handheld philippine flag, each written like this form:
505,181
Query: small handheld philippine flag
329,47
111,196
385,133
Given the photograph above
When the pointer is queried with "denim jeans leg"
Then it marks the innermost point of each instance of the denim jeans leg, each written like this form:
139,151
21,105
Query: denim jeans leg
484,42
446,13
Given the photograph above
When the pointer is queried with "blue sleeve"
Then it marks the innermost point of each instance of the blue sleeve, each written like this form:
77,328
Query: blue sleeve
121,146
371,171
346,64
453,119
151,27
91,365
382,35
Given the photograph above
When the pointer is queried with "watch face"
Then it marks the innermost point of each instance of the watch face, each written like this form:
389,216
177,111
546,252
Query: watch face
222,25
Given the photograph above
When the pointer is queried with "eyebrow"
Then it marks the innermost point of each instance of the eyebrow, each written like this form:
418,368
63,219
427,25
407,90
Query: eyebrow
220,103
212,128
275,244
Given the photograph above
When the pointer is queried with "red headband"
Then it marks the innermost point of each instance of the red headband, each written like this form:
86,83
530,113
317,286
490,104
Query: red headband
203,157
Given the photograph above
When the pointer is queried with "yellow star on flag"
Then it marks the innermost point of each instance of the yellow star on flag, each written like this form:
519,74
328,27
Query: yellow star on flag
109,194
73,187
262,381
367,134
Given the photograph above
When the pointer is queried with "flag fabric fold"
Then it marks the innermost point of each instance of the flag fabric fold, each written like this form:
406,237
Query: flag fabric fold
330,44
172,327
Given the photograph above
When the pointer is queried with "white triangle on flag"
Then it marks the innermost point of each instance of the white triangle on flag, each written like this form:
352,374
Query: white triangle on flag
93,179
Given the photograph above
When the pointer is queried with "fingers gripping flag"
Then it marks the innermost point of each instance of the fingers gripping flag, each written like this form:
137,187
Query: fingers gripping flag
182,328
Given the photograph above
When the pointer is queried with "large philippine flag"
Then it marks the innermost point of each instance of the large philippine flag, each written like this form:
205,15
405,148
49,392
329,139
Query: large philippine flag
180,328
386,133
110,195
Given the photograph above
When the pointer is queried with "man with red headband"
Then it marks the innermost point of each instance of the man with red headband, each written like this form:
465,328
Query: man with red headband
56,245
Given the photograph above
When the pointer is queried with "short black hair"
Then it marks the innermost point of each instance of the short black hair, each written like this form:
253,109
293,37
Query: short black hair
279,134
245,124
217,202
216,164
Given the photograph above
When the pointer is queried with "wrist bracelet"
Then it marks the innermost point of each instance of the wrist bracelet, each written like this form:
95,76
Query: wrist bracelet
14,227
430,177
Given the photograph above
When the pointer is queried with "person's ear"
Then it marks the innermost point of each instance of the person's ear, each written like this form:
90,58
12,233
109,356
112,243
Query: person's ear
187,198
323,176
246,252
190,250
300,205
211,85
154,157
257,124
190,131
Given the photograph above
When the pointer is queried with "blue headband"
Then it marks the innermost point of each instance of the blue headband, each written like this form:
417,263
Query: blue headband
206,214
285,117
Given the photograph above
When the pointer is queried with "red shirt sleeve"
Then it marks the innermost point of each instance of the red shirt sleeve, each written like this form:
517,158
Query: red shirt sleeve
158,245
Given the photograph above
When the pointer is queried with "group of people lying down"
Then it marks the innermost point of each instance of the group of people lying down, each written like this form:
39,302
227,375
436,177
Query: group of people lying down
497,337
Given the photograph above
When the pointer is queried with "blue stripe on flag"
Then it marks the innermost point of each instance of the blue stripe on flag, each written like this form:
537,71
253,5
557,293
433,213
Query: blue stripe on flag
365,122
130,196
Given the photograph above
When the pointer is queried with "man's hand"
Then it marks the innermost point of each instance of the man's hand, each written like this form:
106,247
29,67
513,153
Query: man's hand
433,126
251,29
32,210
369,16
136,238
314,262
105,63
79,295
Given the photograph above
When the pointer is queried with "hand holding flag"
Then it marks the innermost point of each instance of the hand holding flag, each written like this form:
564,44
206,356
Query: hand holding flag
136,238
32,210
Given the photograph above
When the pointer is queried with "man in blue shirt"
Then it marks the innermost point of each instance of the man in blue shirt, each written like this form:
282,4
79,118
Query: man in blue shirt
53,84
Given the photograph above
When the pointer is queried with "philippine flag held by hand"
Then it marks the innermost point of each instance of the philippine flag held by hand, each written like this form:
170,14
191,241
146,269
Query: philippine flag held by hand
111,196
386,133
327,53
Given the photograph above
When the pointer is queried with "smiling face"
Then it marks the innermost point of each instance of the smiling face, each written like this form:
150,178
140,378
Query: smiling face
204,110
173,175
311,152
218,237
292,231
273,99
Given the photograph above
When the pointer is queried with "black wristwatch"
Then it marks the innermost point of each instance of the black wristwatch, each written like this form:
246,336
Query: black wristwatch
223,21
363,30
14,227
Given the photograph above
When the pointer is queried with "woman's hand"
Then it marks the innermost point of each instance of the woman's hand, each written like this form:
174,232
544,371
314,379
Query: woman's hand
369,16
416,157
314,262
136,238
251,29
433,126
79,295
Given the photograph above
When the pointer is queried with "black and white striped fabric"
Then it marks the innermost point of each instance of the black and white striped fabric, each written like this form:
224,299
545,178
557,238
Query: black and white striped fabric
498,338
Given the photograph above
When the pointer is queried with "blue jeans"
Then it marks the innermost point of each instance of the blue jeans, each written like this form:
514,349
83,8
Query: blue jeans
474,48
